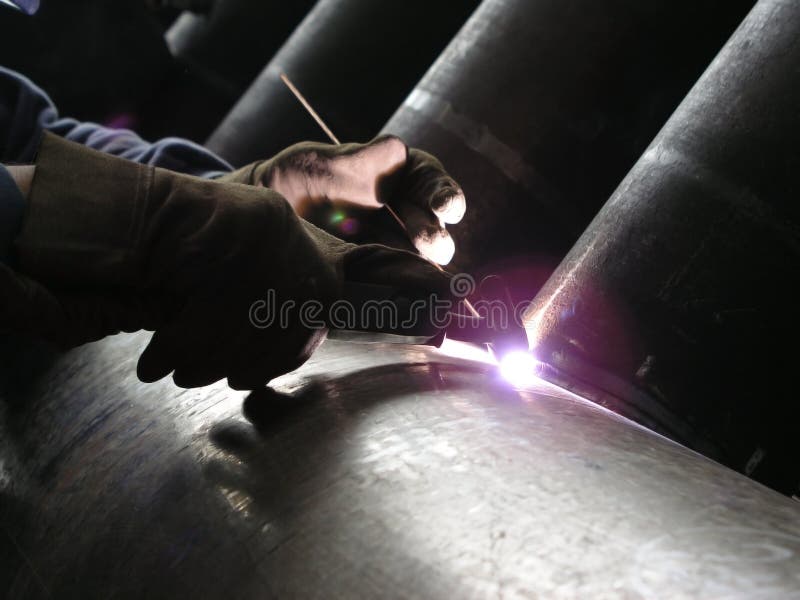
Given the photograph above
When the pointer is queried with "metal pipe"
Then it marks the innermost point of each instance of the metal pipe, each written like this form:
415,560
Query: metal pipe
539,108
683,285
234,42
388,472
218,56
354,59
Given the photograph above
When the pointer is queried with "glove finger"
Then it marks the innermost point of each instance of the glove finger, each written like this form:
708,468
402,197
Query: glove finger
94,317
194,349
154,362
427,185
449,208
277,358
427,233
179,341
205,364
380,265
217,359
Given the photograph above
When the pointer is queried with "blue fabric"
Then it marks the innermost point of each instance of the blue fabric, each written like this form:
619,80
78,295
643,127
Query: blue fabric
12,208
26,111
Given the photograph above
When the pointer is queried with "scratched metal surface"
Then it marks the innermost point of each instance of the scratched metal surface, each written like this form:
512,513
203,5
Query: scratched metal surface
539,108
373,472
692,263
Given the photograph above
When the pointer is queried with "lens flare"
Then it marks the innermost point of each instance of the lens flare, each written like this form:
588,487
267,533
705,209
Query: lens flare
519,368
349,226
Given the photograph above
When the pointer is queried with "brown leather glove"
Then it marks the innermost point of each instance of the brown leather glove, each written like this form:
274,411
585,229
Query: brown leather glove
368,176
110,245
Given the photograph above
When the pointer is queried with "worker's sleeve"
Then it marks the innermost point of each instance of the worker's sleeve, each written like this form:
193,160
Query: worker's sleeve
26,111
88,222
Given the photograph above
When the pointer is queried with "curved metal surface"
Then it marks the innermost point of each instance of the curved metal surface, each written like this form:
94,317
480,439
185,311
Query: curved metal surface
684,283
540,107
371,472
233,43
354,60
217,57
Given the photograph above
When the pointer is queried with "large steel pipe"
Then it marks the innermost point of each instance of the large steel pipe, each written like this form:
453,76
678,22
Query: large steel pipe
232,43
540,107
373,472
354,60
685,282
217,57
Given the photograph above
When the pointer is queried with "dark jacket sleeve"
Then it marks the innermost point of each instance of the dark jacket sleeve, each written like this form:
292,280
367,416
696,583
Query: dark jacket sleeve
26,111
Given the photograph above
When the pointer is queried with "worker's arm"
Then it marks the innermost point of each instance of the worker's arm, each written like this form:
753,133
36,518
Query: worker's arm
107,245
26,112
382,172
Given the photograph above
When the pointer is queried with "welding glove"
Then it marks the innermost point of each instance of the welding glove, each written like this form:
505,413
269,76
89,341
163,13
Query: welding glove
110,245
383,172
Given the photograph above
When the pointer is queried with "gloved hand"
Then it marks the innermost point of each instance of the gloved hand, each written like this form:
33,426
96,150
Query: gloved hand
414,184
109,245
